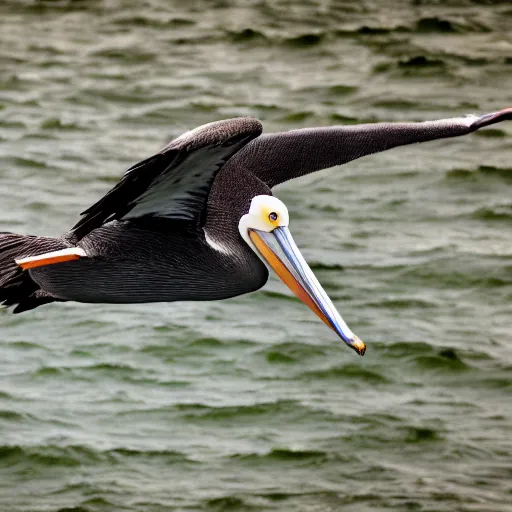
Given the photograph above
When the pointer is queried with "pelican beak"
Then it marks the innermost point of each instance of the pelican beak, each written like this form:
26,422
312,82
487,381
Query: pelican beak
278,249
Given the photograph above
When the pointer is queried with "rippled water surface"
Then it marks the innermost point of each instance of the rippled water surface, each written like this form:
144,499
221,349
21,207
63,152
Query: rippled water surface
252,404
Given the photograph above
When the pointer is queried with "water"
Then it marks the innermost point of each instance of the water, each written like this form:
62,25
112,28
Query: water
251,403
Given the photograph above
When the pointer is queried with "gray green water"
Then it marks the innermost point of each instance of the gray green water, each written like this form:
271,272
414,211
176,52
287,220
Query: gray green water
252,404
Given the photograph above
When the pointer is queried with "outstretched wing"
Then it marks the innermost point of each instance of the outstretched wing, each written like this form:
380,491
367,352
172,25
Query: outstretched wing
174,183
279,157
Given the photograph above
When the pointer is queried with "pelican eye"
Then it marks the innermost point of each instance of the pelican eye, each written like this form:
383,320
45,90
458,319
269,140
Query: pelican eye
273,216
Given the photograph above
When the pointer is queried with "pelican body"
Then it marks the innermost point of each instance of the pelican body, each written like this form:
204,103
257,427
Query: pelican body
198,221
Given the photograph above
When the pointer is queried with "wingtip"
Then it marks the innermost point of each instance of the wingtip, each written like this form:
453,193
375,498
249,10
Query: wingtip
504,114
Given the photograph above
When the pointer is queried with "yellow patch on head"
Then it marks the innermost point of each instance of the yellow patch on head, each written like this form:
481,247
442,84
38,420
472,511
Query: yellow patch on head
271,217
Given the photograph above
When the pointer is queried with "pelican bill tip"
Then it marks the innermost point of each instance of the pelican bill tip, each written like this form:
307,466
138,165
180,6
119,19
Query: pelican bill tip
358,345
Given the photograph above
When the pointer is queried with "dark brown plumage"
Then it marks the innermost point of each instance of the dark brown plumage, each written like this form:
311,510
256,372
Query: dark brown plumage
169,229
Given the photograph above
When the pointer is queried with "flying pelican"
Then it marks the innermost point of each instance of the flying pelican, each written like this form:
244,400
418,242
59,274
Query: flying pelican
198,221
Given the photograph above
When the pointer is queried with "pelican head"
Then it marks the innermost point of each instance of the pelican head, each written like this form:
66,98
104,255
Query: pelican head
265,229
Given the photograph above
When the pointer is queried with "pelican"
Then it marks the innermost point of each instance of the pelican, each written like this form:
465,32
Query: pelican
198,221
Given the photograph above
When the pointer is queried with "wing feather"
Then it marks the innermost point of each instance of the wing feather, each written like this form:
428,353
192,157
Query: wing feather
174,183
278,157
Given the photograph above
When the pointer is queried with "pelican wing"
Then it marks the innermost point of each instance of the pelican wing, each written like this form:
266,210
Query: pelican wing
279,157
175,183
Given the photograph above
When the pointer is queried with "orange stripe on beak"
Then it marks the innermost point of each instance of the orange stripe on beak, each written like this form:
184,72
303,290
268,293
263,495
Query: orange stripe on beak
287,277
277,248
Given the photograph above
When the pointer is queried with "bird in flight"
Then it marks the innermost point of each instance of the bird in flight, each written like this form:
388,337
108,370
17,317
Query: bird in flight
198,221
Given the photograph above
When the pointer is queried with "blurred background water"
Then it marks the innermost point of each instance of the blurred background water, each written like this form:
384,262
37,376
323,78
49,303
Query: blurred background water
251,403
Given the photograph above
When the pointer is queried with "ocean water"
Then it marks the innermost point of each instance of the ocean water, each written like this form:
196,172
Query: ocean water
252,404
